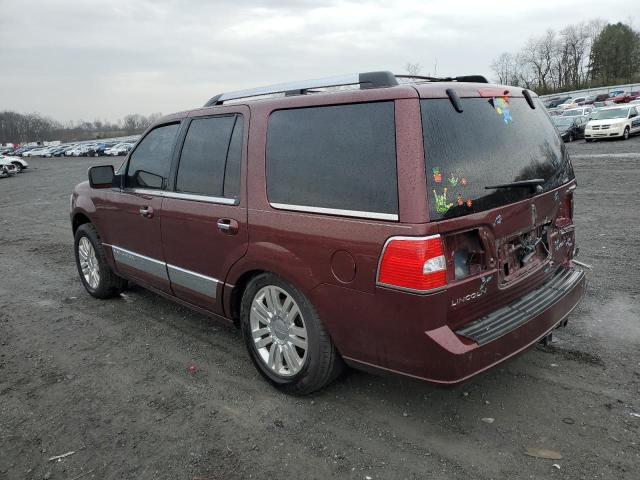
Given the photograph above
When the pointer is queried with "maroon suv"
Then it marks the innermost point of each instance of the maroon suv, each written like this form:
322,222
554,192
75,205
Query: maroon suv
421,228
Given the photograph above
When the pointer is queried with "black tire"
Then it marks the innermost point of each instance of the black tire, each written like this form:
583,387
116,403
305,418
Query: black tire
18,166
588,140
625,135
323,363
109,284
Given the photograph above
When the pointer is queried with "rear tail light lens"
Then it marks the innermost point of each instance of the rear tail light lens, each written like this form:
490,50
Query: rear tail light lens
416,264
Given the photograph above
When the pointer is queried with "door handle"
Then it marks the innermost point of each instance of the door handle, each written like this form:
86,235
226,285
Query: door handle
146,212
228,226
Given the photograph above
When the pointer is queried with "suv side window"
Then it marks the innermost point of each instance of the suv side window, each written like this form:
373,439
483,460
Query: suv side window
150,162
340,157
211,152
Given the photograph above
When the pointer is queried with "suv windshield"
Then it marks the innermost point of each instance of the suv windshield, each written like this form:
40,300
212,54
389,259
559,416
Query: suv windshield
493,141
611,113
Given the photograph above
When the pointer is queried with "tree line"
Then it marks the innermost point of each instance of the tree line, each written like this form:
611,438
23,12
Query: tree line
32,127
582,55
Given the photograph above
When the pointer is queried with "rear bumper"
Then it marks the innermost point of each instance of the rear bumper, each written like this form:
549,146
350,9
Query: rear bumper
449,357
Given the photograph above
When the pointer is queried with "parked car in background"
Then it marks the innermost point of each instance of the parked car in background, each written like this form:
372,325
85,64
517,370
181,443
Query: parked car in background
570,127
555,111
604,103
8,167
554,102
613,122
317,224
573,102
36,152
18,162
578,112
119,149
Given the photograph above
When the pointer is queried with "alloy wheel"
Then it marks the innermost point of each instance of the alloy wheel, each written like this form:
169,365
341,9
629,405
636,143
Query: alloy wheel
278,331
89,262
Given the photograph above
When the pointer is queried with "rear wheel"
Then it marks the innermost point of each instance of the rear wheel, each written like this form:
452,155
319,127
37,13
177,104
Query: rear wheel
588,140
285,338
625,135
95,273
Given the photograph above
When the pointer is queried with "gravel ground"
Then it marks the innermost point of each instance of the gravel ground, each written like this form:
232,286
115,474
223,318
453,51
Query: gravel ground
109,380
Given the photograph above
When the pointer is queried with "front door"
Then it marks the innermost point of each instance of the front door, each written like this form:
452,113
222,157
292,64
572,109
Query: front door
132,215
204,215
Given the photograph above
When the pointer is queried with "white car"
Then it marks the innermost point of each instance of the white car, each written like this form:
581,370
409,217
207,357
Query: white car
120,149
577,112
572,102
7,167
36,152
613,122
18,162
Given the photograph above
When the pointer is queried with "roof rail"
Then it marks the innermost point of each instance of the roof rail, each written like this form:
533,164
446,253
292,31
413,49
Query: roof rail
464,78
365,80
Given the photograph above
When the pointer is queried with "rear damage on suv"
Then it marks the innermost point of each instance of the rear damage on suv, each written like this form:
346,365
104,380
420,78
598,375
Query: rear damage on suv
498,275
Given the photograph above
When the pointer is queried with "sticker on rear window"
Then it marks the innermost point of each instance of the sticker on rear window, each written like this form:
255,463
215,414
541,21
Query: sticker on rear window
501,106
437,176
441,201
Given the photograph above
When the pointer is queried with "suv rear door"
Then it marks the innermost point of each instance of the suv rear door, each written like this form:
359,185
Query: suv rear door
204,215
512,238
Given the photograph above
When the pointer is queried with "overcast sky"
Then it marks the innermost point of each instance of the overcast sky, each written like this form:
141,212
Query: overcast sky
102,59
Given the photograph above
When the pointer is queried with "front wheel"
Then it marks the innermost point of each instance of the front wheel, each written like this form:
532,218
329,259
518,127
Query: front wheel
18,166
95,273
285,338
625,135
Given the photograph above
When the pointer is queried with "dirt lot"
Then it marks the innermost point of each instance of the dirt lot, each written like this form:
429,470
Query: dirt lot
109,380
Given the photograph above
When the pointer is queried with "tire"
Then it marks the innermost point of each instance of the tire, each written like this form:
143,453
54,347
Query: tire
18,166
588,140
625,135
319,363
108,284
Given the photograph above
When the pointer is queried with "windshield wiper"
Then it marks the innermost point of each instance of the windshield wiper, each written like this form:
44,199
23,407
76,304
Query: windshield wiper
534,182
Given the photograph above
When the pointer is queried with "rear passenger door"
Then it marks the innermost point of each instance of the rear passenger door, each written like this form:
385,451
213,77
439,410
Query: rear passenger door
204,216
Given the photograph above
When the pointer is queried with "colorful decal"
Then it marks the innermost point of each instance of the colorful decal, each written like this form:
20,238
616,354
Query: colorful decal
463,182
498,220
469,203
441,201
501,106
453,180
437,176
460,200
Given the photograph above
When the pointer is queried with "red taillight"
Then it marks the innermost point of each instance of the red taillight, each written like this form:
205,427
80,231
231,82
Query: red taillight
413,263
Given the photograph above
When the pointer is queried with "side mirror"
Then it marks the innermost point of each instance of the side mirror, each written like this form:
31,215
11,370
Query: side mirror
101,176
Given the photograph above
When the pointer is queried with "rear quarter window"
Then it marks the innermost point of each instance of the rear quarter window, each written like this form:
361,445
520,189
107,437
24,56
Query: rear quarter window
339,157
490,143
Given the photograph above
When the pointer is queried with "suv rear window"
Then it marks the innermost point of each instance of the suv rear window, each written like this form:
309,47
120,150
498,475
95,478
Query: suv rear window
492,142
339,157
207,154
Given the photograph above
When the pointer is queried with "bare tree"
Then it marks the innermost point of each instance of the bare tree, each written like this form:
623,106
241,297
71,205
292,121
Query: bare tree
413,69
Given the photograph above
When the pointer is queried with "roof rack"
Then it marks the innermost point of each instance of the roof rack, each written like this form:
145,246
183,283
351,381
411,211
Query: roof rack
464,78
365,80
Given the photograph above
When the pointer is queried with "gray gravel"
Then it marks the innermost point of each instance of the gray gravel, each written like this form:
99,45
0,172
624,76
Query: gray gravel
109,380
